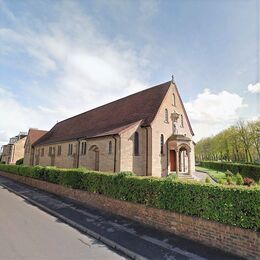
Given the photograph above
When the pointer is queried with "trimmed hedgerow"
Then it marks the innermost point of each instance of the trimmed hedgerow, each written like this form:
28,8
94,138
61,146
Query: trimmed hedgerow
246,170
235,205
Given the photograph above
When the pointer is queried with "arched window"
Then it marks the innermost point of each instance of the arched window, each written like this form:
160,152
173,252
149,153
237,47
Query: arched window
173,100
166,116
182,125
162,143
110,147
136,144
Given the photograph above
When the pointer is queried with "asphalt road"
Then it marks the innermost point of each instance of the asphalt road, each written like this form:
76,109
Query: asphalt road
26,232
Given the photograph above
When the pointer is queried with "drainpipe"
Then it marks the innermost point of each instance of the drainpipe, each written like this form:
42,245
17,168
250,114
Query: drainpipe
115,152
146,154
13,151
78,153
32,155
167,154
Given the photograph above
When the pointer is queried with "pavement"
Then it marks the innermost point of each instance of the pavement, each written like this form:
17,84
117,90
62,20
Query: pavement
201,176
26,232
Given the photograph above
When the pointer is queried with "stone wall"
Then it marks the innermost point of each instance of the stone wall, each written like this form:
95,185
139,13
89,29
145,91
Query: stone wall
232,239
160,126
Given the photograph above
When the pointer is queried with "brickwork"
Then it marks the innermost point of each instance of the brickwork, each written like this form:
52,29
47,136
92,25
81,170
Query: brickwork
232,239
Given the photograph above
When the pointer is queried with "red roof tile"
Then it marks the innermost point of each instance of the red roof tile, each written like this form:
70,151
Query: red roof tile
35,134
110,118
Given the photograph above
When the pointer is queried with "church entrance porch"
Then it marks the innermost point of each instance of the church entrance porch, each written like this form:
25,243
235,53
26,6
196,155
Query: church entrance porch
179,154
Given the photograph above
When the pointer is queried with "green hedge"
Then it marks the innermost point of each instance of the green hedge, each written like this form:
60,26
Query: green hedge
246,170
238,206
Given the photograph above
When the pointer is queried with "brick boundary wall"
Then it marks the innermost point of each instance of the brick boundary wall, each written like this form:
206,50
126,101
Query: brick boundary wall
242,242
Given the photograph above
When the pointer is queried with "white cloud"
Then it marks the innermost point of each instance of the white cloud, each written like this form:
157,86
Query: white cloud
17,117
210,113
86,69
254,88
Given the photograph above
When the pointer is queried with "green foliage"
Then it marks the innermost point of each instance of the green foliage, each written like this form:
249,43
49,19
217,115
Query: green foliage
239,143
172,177
239,180
19,162
229,180
246,170
229,174
221,181
234,205
207,180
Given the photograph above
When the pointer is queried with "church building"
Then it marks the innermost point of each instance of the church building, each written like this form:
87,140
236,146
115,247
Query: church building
148,133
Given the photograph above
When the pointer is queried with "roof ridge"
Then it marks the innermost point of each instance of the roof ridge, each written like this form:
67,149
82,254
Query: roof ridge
111,102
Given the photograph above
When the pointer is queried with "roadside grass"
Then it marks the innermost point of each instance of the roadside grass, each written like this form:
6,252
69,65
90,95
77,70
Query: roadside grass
219,176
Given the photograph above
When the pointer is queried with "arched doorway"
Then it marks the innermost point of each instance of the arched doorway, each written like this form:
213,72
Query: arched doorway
94,158
184,158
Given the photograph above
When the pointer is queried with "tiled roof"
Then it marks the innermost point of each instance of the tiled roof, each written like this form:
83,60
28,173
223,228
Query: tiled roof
110,118
35,134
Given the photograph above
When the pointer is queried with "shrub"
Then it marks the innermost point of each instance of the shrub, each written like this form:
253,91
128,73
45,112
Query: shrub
221,181
246,170
19,162
207,180
234,205
239,180
229,173
249,181
172,177
229,180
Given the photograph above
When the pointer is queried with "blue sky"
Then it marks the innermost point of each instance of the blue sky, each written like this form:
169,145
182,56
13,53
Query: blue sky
60,58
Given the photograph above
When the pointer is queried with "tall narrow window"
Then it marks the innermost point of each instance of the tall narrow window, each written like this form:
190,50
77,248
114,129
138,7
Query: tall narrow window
83,148
166,120
42,152
70,151
173,100
50,151
59,150
110,147
182,125
162,143
136,144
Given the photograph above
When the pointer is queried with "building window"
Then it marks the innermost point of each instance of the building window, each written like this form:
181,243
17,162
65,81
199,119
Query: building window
173,100
83,148
166,116
50,151
162,143
136,144
59,150
182,125
110,147
42,152
70,151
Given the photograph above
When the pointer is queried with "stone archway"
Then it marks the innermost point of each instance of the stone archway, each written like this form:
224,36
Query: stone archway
184,160
94,158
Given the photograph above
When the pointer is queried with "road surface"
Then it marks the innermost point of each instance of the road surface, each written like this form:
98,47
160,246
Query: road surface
26,232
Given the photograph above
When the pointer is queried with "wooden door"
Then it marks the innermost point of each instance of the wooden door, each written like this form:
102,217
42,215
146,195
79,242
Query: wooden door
172,160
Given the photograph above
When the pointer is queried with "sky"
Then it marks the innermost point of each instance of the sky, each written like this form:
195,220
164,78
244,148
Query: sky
61,58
